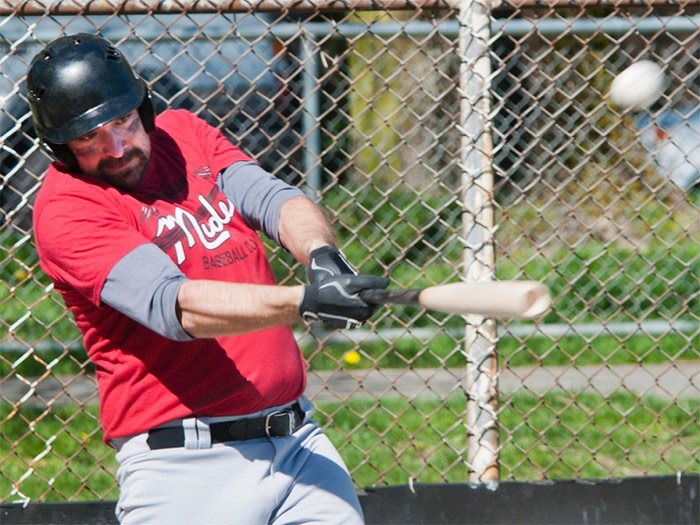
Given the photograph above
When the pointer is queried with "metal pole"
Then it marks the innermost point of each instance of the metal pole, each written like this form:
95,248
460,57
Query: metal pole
310,118
109,7
478,226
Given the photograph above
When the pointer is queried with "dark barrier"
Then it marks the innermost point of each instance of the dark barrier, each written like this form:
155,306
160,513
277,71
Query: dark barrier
658,500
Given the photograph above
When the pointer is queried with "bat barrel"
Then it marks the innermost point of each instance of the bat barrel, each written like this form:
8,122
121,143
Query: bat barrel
497,299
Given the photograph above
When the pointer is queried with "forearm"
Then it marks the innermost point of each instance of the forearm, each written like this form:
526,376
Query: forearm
304,227
214,308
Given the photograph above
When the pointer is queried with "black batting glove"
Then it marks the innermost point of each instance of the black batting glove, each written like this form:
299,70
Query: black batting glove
336,302
325,262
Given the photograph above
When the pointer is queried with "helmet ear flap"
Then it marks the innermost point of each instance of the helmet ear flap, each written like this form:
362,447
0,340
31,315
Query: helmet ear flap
63,156
147,113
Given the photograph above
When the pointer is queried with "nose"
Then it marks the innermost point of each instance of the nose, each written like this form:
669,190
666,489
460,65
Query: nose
113,143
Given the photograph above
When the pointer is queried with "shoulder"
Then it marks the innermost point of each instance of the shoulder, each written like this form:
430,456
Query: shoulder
183,127
69,196
191,133
179,120
62,186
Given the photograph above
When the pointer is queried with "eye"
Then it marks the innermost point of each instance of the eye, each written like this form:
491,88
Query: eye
88,136
124,119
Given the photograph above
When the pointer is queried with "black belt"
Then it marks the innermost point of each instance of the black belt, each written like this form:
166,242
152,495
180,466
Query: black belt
275,424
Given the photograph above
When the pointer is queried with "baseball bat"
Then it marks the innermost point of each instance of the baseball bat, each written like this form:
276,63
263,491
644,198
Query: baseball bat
497,299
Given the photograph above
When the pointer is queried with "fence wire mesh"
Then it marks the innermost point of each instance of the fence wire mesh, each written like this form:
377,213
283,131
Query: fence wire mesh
362,109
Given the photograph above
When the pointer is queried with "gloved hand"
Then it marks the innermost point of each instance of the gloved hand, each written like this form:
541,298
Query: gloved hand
325,262
336,302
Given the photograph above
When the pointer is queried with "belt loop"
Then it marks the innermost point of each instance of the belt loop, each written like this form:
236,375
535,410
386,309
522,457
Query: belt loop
197,434
204,434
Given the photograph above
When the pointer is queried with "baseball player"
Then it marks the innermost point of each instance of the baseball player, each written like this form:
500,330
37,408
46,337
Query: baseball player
148,226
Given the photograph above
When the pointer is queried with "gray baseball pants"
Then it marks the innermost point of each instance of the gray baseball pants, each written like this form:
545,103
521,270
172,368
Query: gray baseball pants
284,480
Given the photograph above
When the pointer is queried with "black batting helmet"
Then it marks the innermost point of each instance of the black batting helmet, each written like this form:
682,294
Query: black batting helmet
79,83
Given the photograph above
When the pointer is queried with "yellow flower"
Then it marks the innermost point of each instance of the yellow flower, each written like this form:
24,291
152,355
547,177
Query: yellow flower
352,357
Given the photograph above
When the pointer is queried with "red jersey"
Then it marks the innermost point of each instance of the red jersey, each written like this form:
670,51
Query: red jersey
84,226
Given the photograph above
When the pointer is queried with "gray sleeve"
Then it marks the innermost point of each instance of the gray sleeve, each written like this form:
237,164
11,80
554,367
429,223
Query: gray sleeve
257,195
143,285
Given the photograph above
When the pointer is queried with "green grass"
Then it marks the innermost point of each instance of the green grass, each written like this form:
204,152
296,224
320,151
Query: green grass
389,441
447,350
61,449
595,437
608,349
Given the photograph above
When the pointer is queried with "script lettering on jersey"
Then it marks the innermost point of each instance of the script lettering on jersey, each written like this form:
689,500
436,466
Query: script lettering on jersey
207,230
232,256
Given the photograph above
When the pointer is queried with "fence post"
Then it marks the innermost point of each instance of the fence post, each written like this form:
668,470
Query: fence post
311,132
478,254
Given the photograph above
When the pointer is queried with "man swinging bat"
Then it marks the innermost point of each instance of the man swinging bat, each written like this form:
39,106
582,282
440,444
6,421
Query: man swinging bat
148,226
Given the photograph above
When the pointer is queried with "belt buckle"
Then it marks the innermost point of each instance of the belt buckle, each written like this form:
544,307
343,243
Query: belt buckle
290,423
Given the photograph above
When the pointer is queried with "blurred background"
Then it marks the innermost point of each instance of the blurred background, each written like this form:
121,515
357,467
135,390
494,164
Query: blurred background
446,145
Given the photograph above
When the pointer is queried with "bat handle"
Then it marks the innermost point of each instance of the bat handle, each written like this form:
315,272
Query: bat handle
381,296
373,296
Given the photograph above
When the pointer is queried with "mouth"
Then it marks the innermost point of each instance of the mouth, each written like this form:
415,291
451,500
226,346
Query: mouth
127,172
122,167
118,165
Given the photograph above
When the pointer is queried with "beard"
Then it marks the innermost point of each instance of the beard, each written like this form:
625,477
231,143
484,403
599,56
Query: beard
125,173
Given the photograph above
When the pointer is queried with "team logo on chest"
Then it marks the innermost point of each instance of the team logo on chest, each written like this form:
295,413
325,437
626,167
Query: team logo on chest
184,229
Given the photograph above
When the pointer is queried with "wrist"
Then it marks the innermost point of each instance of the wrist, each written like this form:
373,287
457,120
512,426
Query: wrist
321,249
327,261
296,295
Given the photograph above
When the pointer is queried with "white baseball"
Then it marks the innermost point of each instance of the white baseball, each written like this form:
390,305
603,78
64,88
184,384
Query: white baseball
638,86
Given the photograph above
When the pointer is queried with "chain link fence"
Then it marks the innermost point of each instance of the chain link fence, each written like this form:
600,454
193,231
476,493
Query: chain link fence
446,142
